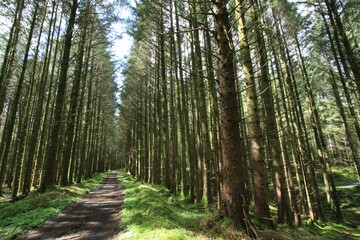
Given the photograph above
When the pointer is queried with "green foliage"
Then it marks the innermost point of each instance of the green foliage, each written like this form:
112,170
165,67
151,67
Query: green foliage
344,173
151,212
349,229
341,174
24,215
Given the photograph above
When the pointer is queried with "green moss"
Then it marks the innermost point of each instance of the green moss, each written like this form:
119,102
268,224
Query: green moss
26,214
151,212
340,173
344,173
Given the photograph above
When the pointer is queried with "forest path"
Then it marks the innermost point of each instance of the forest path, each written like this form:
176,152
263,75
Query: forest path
96,216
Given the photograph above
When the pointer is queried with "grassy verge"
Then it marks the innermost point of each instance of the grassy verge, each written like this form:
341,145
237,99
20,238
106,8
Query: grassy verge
151,212
26,214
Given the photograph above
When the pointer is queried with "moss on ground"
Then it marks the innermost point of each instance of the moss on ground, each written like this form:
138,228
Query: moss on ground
30,212
341,174
152,212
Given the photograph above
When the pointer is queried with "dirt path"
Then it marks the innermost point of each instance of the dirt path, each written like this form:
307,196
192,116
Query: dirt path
94,217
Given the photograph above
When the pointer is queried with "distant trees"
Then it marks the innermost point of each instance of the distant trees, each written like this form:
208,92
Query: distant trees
225,97
223,101
57,95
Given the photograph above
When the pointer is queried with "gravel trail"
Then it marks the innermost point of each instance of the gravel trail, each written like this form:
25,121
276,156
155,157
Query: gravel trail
96,216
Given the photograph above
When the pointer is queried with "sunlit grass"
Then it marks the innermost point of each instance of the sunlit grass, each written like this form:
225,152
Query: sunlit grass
340,174
151,212
26,214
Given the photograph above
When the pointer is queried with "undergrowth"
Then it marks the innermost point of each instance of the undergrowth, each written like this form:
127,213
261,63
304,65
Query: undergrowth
152,212
331,229
26,214
340,174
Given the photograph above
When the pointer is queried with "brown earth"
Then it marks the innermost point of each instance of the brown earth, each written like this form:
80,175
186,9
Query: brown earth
96,216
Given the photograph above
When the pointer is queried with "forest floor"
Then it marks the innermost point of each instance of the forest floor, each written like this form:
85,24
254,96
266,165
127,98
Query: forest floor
151,212
96,216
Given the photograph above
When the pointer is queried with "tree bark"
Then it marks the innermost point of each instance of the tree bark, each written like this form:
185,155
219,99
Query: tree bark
51,151
233,188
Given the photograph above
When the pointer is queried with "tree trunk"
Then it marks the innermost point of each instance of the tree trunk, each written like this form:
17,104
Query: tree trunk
51,151
261,206
233,188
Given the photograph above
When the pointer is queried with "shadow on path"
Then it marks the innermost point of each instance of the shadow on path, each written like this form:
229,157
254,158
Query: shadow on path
94,217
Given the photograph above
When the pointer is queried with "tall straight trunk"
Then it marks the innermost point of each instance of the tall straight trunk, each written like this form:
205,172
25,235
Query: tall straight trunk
24,120
349,137
261,206
78,134
233,182
203,114
272,129
26,167
196,128
75,92
9,56
157,176
354,116
297,124
214,114
86,142
52,148
48,115
352,58
184,124
146,132
165,111
173,116
193,134
150,127
320,139
19,147
33,138
6,139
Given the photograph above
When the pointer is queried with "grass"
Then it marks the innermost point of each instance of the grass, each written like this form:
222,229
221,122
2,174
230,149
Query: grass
341,173
332,229
26,214
151,212
344,173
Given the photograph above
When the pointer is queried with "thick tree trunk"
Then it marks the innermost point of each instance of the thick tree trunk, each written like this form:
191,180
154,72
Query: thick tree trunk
233,182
